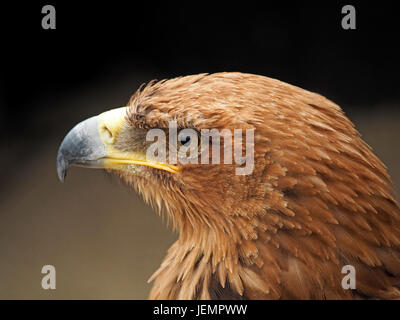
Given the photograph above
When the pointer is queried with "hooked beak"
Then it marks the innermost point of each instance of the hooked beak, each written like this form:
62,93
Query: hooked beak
91,143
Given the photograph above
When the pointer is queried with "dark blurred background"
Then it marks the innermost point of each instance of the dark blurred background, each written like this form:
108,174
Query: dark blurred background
102,239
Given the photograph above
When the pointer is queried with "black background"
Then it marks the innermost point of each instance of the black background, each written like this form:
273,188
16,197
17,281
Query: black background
298,42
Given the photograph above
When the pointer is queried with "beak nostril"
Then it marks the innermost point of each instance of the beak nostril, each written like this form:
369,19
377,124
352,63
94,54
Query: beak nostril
107,133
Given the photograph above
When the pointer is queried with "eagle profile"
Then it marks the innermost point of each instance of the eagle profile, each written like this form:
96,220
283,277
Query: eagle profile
317,199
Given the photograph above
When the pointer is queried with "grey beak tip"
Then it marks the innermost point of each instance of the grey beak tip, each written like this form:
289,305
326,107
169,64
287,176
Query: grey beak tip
61,176
62,166
81,145
62,179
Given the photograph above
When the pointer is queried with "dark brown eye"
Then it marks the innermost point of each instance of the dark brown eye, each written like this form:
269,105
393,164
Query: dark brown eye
185,140
189,142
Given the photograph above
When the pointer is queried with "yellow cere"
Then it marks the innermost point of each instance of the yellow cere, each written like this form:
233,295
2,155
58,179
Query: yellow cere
109,125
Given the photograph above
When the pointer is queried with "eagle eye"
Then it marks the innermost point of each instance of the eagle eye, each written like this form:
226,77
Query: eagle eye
190,140
185,140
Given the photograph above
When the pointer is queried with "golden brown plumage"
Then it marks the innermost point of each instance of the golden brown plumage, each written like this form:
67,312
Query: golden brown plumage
318,198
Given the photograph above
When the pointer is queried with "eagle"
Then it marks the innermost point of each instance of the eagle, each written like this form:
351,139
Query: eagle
317,200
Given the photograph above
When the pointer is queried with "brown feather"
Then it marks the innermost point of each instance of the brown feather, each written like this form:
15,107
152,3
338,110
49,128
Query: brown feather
318,198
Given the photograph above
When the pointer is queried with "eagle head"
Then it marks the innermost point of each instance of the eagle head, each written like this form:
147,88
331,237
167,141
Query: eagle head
281,195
